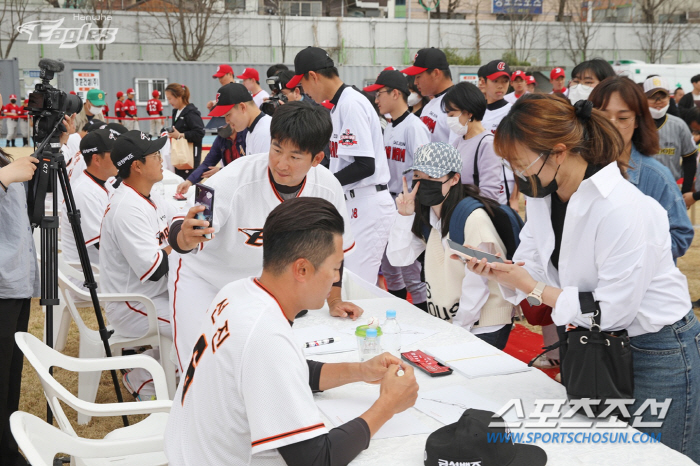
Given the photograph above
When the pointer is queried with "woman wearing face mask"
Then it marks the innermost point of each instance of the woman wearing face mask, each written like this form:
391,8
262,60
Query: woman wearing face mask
415,100
423,225
624,103
595,242
465,105
585,77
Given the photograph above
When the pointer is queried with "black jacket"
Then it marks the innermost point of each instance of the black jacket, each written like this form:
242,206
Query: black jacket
190,124
687,101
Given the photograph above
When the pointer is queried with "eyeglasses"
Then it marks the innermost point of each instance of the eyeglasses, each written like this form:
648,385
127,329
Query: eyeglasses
157,155
656,98
622,123
381,92
521,173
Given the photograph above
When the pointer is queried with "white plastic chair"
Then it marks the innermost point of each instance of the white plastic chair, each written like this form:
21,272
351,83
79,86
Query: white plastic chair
91,345
40,442
41,357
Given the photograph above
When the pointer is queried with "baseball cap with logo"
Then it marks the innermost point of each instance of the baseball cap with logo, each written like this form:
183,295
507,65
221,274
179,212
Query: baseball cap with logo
518,74
557,73
129,91
98,141
222,70
390,78
466,442
12,96
93,125
494,70
119,94
228,96
436,159
250,73
655,84
531,80
96,96
116,129
427,59
134,145
309,59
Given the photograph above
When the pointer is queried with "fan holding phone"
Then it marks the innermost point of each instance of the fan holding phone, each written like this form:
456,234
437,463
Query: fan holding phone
448,212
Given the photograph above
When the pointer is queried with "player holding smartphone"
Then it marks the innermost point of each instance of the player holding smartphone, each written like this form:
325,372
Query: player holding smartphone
204,195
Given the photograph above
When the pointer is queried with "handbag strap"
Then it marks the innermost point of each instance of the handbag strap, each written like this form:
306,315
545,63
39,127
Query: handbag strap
590,306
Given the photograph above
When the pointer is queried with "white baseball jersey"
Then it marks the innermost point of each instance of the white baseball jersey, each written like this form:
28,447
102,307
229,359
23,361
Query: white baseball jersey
436,120
70,148
246,391
511,98
91,198
260,97
492,118
257,141
357,133
134,233
400,142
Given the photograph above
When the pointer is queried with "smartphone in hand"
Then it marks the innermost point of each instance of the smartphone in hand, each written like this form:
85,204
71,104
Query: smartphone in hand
468,253
204,195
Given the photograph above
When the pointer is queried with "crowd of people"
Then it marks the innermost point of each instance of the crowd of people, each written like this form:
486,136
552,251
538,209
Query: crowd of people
375,181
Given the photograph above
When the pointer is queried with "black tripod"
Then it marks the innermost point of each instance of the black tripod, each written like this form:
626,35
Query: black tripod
51,171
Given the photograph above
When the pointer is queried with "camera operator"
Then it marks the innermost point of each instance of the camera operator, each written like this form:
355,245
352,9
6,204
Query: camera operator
292,95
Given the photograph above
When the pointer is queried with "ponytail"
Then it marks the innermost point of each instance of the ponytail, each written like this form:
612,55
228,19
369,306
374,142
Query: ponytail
180,91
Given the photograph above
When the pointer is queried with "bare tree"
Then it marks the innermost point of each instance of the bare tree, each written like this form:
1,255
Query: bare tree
12,15
452,6
577,34
658,35
521,33
474,7
281,9
100,12
190,26
562,10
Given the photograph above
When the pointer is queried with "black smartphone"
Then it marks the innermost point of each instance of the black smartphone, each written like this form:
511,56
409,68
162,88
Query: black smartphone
204,195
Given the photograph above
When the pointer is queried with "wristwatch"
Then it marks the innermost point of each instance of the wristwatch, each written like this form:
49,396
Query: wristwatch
535,296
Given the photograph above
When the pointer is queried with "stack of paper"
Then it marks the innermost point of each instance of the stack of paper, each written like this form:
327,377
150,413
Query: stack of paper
477,359
449,403
342,341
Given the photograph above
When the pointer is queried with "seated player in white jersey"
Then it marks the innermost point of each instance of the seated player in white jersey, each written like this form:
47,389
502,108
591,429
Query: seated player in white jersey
235,103
134,244
91,193
402,136
246,396
77,165
357,158
245,192
433,78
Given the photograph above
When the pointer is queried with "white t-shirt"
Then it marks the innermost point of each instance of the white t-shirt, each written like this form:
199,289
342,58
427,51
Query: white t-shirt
492,118
511,98
401,142
260,97
91,198
249,394
357,133
244,196
436,120
257,141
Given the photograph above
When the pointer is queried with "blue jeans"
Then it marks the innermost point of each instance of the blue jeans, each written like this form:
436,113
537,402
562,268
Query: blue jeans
667,365
499,338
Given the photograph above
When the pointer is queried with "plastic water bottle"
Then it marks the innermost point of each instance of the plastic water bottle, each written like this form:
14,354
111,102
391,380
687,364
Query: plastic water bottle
391,336
371,347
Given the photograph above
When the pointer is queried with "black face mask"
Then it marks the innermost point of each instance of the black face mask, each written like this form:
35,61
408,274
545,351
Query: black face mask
430,192
224,131
525,185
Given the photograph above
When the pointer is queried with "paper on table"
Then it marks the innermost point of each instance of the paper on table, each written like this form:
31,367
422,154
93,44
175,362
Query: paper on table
448,404
410,334
321,332
477,359
342,410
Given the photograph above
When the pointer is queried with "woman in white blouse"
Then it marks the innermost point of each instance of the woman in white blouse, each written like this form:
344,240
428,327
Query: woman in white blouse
590,234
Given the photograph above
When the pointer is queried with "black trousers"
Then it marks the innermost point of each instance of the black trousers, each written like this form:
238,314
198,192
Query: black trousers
14,317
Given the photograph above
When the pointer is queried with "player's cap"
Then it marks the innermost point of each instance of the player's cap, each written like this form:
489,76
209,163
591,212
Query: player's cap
531,80
222,70
97,141
390,78
116,129
129,91
250,73
654,85
119,94
94,125
427,59
96,97
494,70
309,59
436,159
134,145
468,441
155,94
518,74
557,73
73,92
12,96
228,96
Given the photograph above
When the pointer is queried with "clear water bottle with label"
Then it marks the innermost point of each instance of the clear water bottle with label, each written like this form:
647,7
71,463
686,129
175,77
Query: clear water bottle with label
391,337
371,347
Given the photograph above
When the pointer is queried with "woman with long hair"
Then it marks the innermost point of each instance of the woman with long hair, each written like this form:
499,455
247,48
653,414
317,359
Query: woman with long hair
187,122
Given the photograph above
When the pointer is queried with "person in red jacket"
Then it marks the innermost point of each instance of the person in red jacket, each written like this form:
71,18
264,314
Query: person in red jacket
24,126
119,107
131,120
11,112
154,107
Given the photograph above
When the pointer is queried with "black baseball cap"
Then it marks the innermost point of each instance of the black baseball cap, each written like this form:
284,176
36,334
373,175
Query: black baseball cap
134,145
95,142
427,59
466,442
494,70
390,78
116,128
309,59
93,124
228,96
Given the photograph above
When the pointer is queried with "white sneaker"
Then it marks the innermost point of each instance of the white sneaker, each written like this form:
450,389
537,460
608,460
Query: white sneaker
141,393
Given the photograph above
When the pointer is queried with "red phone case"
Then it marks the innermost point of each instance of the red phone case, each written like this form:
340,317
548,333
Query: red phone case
426,363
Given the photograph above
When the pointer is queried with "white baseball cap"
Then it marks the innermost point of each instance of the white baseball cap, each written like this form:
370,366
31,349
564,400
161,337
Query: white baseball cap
654,85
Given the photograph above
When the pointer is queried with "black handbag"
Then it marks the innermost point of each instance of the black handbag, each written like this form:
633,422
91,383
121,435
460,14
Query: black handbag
595,364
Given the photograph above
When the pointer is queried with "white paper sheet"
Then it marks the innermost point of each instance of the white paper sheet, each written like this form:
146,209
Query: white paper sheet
343,343
410,334
447,404
477,359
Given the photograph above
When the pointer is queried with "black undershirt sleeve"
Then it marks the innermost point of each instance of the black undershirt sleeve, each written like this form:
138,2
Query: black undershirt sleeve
360,169
172,236
336,448
314,375
162,269
690,164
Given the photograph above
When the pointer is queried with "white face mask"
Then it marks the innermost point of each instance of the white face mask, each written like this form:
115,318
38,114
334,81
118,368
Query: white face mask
656,114
95,110
387,116
456,127
413,99
579,92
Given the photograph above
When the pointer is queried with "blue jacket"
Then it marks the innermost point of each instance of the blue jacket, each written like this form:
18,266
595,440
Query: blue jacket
656,181
216,155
